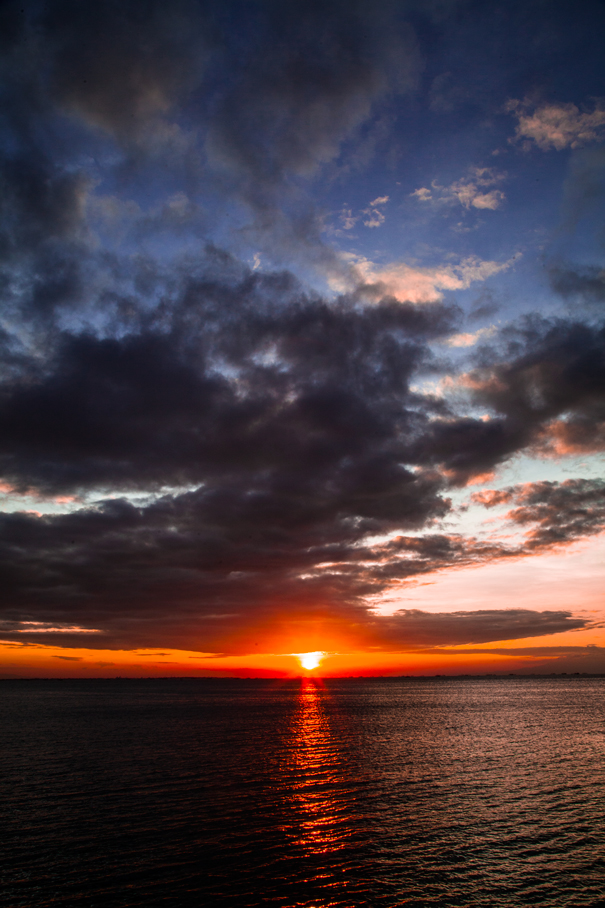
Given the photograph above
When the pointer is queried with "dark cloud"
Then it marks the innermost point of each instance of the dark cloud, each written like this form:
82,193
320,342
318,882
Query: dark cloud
542,660
467,447
543,390
584,187
238,372
414,628
122,65
288,563
238,549
241,100
314,79
292,421
562,512
586,283
309,80
556,371
489,498
485,306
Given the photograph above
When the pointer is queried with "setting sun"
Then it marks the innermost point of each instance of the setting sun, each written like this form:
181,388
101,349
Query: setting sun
310,660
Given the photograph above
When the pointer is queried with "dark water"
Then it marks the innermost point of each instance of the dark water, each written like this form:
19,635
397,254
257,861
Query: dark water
247,793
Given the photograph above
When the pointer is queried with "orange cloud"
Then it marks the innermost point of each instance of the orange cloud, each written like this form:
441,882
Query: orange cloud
491,497
565,437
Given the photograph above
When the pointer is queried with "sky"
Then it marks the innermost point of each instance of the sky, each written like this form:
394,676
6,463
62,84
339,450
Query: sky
302,337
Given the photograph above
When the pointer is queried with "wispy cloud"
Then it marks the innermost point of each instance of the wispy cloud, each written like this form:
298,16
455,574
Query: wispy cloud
470,339
347,219
372,216
45,627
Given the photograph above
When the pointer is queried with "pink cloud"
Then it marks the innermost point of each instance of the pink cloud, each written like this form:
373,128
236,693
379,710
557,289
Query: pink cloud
557,126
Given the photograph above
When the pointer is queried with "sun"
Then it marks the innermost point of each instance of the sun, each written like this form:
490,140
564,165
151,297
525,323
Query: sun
310,660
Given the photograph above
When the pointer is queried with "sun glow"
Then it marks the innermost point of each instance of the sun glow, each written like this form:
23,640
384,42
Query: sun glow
310,660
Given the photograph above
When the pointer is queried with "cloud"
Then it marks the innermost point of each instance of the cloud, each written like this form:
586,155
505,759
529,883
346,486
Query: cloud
281,550
561,512
424,285
543,391
374,217
347,219
489,498
371,216
557,126
234,564
543,660
583,283
468,191
315,77
584,187
485,305
572,435
241,371
423,194
162,97
469,339
415,628
292,436
121,67
42,627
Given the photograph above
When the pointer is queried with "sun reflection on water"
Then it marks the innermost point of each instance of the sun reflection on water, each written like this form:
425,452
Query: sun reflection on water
317,774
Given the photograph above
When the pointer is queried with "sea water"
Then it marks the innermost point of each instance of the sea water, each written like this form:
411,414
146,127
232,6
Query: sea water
394,792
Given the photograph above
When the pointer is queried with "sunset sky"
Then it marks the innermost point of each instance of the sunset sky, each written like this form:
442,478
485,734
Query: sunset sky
302,337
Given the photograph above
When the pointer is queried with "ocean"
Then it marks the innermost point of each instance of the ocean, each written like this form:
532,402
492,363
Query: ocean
333,794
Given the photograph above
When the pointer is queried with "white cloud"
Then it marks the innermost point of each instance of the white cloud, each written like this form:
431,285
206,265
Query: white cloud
423,194
347,219
373,217
468,196
557,126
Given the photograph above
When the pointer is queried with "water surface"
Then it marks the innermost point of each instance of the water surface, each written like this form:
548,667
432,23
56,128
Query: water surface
347,793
